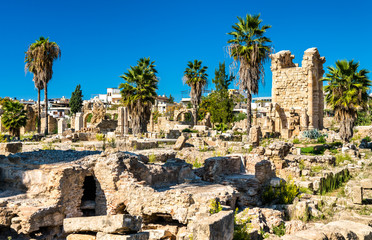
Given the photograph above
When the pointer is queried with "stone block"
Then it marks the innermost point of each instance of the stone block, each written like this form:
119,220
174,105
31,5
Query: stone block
81,237
13,147
136,236
219,226
357,194
366,183
120,223
180,143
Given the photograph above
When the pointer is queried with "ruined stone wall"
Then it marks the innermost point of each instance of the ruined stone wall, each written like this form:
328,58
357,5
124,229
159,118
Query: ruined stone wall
299,87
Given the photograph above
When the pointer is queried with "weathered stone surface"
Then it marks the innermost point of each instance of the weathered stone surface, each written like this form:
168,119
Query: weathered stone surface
357,194
136,236
81,237
12,147
108,224
215,167
219,226
263,171
255,135
180,143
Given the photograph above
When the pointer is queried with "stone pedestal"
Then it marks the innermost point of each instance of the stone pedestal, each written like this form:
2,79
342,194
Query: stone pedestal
61,125
79,123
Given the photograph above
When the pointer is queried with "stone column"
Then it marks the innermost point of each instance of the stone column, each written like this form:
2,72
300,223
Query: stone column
126,121
61,125
310,93
121,120
79,123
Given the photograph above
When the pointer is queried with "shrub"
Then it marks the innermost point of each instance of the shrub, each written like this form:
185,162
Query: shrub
197,164
321,139
221,127
100,137
215,206
187,130
368,138
296,141
242,226
239,116
318,150
301,164
279,230
284,194
112,142
152,158
340,158
311,134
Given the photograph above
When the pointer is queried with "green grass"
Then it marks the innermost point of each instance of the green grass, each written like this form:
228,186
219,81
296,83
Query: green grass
340,158
317,150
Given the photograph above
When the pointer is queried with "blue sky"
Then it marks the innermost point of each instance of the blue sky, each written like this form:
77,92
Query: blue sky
101,39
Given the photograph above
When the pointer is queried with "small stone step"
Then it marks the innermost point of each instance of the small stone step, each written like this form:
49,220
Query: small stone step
120,223
136,236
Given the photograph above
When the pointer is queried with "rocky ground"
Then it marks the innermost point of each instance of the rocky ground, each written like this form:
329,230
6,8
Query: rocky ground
197,188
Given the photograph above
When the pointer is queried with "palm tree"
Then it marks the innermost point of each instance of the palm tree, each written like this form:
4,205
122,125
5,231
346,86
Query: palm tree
346,93
39,61
196,77
139,93
250,48
14,117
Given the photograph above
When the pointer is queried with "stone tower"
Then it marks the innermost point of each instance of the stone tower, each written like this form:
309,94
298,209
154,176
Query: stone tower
299,88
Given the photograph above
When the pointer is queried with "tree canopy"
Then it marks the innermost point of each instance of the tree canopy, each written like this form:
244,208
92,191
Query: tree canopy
346,93
76,100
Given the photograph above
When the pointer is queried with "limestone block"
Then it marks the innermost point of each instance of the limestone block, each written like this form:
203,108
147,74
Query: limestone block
219,226
108,224
357,194
366,183
136,236
180,143
13,147
81,237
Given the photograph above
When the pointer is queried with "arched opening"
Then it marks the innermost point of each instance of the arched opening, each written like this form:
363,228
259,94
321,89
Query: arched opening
87,119
88,201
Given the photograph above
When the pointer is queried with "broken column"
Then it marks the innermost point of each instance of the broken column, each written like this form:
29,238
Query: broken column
61,125
79,123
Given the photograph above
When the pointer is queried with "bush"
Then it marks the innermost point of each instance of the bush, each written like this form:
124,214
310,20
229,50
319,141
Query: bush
187,130
368,138
239,116
284,194
311,134
152,158
321,139
100,137
318,150
197,164
296,141
242,226
215,206
340,158
221,127
279,230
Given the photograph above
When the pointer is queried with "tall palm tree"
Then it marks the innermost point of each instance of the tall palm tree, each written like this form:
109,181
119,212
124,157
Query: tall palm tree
139,93
39,61
14,117
196,77
250,48
346,93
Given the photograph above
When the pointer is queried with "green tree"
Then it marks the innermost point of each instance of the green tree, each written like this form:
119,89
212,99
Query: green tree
196,77
14,117
139,93
249,47
222,104
171,98
39,61
76,101
346,94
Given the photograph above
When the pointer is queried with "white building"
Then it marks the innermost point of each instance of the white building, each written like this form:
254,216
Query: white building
112,96
161,103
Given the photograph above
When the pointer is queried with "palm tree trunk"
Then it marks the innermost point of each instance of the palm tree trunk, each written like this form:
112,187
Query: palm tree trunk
249,112
195,113
46,108
38,112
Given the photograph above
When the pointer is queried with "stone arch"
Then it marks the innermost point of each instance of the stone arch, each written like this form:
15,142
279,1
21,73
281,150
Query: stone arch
181,113
280,119
85,118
